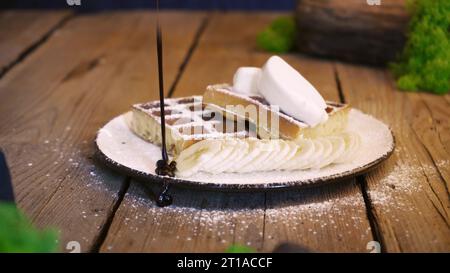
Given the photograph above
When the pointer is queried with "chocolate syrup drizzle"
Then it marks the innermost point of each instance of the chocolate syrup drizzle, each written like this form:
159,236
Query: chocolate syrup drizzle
163,167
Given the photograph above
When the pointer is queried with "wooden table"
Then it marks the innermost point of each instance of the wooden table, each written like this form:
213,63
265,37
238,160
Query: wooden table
64,75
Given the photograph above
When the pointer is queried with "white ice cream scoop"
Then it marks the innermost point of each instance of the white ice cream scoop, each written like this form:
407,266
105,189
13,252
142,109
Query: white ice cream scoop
245,80
282,85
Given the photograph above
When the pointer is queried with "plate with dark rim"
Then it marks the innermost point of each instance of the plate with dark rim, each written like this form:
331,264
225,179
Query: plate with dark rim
121,150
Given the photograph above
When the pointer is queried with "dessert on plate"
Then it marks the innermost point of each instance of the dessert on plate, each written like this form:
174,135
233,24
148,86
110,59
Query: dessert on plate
270,119
221,96
188,121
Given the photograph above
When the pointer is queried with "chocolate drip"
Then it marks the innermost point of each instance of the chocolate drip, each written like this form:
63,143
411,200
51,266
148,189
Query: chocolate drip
164,199
163,167
161,86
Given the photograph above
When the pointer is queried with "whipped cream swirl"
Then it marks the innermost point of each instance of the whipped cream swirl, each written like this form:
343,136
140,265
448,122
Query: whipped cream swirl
250,155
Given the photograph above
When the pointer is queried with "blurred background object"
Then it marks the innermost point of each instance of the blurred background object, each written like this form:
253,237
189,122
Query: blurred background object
287,247
17,234
424,63
279,36
352,30
6,188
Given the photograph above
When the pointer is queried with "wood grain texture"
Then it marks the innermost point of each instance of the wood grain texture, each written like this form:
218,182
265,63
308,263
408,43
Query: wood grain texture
20,30
94,67
322,219
197,221
409,194
432,127
53,103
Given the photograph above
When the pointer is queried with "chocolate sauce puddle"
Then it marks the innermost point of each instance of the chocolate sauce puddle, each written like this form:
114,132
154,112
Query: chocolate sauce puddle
163,167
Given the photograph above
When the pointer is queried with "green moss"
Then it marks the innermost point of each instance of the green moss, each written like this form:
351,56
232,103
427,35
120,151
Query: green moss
18,236
240,249
424,63
279,37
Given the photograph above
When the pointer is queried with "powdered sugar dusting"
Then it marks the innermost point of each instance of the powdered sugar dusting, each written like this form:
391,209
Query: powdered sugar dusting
317,218
66,176
342,214
398,186
228,91
142,215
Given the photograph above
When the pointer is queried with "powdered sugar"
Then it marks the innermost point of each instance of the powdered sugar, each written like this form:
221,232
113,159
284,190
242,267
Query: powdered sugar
227,90
397,187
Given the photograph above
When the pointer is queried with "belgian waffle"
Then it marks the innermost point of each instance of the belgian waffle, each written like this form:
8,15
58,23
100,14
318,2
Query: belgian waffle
221,96
188,121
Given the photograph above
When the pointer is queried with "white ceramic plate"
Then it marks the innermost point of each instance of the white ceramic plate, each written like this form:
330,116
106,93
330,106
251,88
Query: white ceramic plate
120,149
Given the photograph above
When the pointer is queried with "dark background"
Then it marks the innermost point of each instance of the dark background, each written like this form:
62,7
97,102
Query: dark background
96,5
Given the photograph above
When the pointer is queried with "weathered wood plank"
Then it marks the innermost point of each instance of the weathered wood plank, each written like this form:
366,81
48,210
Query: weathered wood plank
409,196
226,218
352,30
222,50
432,127
96,66
331,218
20,30
197,221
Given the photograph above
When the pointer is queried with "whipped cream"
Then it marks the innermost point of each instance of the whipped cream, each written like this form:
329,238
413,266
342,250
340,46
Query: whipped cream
251,155
245,80
280,84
